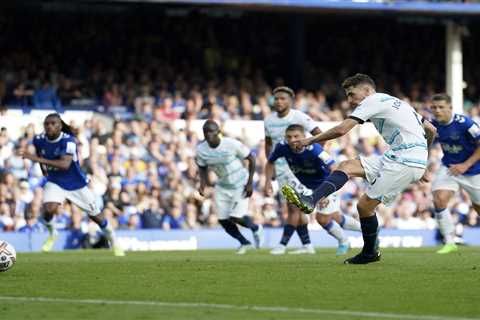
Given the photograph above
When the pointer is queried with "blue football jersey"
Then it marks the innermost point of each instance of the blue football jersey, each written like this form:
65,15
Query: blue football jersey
71,179
459,140
311,166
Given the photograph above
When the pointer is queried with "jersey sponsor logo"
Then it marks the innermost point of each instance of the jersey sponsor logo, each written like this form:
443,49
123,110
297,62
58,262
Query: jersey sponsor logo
452,148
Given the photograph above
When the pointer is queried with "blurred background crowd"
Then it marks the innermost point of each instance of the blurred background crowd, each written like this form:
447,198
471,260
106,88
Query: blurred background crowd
147,70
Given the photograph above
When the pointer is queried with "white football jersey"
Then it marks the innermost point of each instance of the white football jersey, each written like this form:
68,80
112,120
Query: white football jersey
399,124
275,129
226,161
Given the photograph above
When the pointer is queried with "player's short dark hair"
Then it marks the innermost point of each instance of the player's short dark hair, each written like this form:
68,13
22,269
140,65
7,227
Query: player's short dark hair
210,123
442,97
295,127
287,90
357,79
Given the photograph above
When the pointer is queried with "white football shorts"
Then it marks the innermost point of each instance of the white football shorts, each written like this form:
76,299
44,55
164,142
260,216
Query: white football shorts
83,198
445,181
231,203
388,178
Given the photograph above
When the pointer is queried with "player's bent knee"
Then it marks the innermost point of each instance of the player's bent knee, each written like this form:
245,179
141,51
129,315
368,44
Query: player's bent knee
323,219
51,208
441,199
351,168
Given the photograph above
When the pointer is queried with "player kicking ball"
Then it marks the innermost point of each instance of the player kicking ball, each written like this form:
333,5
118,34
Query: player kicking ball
311,165
234,185
459,137
56,152
389,174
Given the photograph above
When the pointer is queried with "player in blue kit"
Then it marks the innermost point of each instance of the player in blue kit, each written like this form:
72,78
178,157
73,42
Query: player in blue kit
311,166
459,137
56,152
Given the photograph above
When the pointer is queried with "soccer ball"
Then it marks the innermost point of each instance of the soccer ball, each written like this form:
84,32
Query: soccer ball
8,256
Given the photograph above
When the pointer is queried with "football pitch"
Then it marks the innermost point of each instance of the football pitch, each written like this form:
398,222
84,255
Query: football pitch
406,284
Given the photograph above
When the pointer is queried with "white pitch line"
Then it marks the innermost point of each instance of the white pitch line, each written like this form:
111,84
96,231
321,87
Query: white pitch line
359,314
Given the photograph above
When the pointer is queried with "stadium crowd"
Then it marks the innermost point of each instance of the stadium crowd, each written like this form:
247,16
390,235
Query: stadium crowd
144,176
143,172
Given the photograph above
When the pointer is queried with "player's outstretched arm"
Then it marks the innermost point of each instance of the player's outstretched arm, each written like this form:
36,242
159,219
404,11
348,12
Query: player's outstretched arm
63,163
343,128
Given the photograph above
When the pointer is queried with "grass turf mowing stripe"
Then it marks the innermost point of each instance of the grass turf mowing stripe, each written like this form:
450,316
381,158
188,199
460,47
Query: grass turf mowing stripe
359,314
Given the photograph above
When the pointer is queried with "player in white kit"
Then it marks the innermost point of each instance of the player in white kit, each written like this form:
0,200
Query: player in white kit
408,136
275,126
234,185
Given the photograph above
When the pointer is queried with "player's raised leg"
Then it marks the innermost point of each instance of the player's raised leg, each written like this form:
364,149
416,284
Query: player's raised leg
334,182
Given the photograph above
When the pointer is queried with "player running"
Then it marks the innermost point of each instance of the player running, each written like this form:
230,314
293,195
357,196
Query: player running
311,165
459,137
275,125
234,186
389,174
56,152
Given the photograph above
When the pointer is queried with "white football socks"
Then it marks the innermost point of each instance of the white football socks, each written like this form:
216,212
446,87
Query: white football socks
445,224
350,223
334,229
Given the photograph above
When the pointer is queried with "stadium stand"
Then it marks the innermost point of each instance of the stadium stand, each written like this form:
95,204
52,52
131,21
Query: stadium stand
145,71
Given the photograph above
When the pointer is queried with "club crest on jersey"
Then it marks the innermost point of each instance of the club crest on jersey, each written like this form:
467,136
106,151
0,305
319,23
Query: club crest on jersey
454,136
57,152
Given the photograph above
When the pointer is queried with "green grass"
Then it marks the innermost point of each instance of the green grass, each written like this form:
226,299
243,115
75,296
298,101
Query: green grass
406,282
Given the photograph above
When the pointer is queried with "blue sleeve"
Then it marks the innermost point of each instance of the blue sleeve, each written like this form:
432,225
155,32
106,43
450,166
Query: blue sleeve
473,129
278,152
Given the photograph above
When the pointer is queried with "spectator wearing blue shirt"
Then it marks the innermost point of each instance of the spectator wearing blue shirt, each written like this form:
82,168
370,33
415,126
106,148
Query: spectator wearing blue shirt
45,97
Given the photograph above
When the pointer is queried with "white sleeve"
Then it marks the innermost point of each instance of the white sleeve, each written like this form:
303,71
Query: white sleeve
199,160
366,110
307,122
241,150
266,129
71,148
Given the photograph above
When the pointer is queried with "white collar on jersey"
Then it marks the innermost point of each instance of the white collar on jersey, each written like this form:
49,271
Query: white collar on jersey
56,140
451,120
